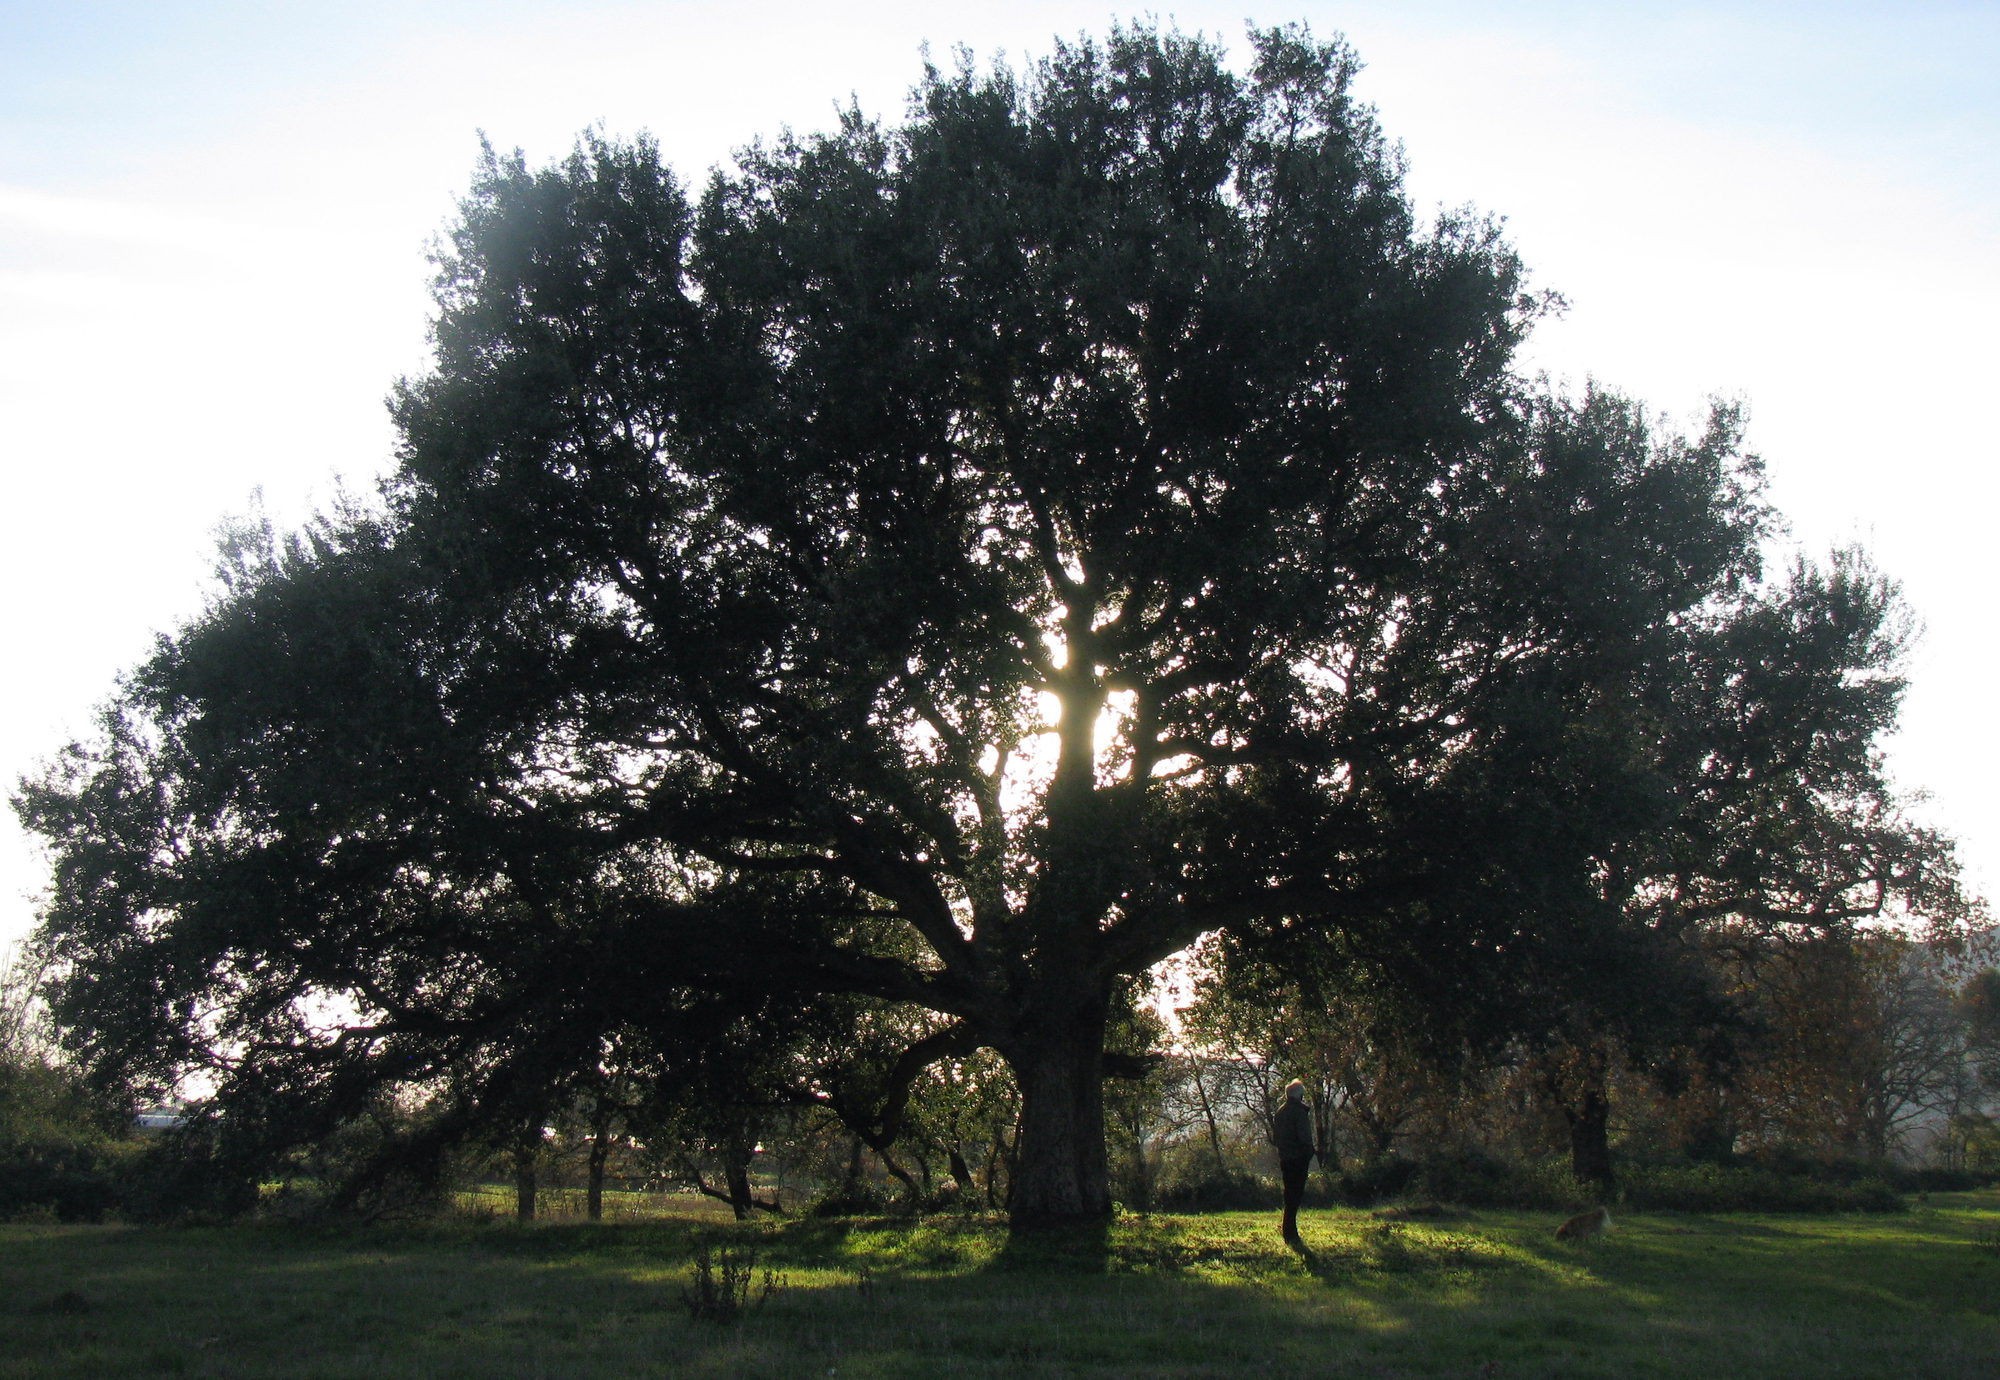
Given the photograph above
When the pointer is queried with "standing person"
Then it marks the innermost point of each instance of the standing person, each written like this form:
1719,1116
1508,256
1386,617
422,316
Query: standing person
1292,1130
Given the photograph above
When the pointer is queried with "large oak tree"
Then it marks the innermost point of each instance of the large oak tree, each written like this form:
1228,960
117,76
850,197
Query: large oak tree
955,565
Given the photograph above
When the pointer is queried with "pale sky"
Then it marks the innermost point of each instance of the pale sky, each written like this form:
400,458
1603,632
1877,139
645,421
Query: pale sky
213,220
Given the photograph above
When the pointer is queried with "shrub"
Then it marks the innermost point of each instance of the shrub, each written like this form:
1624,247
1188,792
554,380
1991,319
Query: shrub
64,1152
1936,1180
184,1176
1468,1178
381,1164
859,1199
1219,1191
1471,1178
1376,1180
69,1183
1752,1188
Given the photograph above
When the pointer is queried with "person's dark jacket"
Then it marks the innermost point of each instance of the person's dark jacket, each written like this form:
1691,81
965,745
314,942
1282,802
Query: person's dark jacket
1293,1131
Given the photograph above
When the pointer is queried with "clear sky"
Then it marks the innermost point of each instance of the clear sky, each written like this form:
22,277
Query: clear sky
213,219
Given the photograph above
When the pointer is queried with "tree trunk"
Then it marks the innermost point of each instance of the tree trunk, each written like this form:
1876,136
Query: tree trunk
737,1172
1061,1174
1142,1175
1709,1135
1381,1133
1589,1134
900,1174
600,1151
524,1176
1208,1116
1323,1132
993,1173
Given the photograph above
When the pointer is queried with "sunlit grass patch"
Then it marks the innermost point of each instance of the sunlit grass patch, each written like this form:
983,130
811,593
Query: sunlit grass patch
494,1203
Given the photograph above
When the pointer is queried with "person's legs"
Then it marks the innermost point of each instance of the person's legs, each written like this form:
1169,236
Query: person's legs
1294,1172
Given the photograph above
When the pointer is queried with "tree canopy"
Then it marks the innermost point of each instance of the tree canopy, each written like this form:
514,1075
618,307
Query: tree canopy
958,564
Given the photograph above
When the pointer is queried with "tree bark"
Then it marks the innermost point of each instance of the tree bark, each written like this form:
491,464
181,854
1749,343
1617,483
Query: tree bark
1208,1116
524,1176
1709,1135
600,1151
1380,1132
895,1168
1328,1148
852,1184
737,1172
1589,1134
1061,1175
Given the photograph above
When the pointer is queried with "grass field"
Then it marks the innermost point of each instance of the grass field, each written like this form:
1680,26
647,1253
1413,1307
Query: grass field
1485,1294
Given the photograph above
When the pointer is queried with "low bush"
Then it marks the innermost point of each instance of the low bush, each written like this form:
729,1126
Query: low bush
1471,1179
860,1199
1933,1180
1378,1180
1467,1178
183,1177
1219,1191
64,1151
381,1164
1751,1188
82,1182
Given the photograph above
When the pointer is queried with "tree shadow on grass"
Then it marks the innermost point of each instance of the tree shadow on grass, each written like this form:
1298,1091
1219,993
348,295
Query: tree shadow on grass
1080,1248
876,1247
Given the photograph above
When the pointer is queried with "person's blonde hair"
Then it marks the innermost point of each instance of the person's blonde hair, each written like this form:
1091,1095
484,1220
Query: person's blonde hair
1295,1091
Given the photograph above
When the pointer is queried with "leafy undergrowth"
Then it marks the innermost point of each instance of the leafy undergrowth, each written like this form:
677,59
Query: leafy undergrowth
1487,1293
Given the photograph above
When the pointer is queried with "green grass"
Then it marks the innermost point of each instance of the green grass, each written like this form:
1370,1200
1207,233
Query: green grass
1916,1295
496,1202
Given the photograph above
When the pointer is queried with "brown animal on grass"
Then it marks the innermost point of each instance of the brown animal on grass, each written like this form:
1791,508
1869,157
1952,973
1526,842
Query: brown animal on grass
1585,1224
